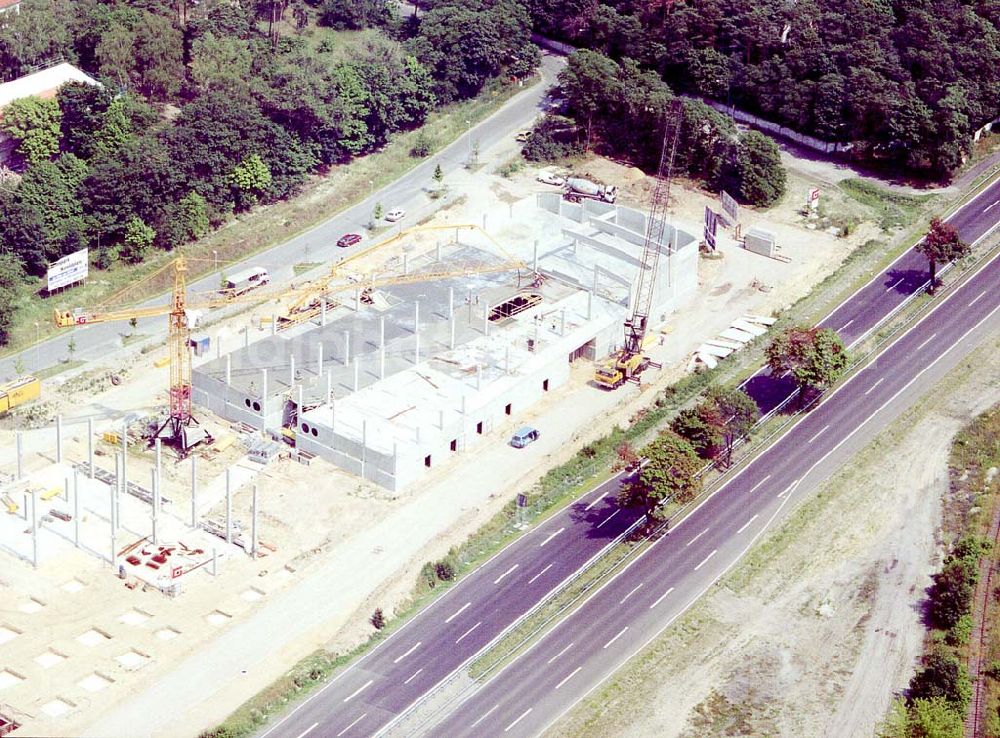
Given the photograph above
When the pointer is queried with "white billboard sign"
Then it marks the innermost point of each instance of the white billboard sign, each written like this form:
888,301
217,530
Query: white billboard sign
70,269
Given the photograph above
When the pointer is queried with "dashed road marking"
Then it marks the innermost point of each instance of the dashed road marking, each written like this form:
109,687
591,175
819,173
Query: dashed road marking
351,725
414,675
977,298
821,432
845,325
500,578
308,730
457,612
754,488
561,653
620,634
485,715
926,342
532,580
522,717
553,535
894,286
608,518
570,676
872,388
359,690
468,631
661,598
696,537
706,559
400,658
632,592
746,524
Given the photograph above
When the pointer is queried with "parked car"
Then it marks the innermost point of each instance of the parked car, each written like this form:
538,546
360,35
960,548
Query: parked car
524,436
523,135
395,214
551,179
348,239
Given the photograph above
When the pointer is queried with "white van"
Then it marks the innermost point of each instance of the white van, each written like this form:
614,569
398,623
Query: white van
246,280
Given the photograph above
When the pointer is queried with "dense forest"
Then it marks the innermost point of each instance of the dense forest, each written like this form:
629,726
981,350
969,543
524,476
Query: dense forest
207,109
908,81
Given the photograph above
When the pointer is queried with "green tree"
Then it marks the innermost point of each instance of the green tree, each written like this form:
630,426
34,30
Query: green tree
941,245
355,14
816,357
935,718
220,63
438,176
377,619
71,347
376,214
34,124
250,178
670,474
590,82
34,36
138,238
11,280
759,178
19,361
83,109
942,676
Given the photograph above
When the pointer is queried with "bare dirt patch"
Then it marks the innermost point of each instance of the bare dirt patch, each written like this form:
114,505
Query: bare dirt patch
814,632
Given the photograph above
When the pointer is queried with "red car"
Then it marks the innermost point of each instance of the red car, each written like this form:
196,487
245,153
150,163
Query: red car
348,240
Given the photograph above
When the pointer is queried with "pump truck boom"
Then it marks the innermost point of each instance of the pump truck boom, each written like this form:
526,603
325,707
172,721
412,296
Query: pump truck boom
630,361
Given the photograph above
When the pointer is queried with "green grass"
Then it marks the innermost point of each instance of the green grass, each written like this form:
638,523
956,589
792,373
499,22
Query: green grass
892,209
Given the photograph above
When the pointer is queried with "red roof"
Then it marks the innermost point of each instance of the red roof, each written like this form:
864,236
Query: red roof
4,4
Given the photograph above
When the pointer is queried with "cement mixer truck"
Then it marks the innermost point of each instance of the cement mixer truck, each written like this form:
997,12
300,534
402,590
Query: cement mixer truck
583,189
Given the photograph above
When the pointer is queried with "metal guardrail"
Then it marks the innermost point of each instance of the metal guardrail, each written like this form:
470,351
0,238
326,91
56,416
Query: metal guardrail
751,451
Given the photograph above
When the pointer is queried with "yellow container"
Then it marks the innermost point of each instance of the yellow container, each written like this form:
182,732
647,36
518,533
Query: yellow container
18,392
160,363
111,437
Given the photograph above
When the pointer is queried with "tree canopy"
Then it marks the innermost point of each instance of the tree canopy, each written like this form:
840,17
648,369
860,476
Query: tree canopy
940,245
816,357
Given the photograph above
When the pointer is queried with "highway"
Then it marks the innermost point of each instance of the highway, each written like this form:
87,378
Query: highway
95,342
661,583
366,697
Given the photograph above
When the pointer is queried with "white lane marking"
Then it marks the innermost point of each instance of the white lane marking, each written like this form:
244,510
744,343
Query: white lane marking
309,730
926,342
359,690
620,634
988,208
499,578
696,537
872,388
457,613
706,559
791,488
894,286
522,717
571,675
561,653
632,592
661,598
977,297
821,432
599,498
551,537
532,580
484,716
350,726
414,675
468,631
747,524
608,518
414,648
754,488
845,325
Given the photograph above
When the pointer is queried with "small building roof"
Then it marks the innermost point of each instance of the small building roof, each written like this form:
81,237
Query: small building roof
7,4
42,84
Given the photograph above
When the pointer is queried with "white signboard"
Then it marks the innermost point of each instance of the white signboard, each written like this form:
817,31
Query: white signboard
70,269
813,201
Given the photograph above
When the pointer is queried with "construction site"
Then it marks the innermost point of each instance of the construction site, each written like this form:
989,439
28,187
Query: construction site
357,418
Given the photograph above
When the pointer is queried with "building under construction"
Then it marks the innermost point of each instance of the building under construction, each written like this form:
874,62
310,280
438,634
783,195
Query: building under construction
389,382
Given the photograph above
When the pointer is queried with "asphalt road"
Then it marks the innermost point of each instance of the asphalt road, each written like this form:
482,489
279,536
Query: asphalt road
633,608
318,244
383,684
858,316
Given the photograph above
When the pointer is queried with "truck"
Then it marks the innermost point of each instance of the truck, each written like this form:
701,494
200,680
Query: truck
246,280
578,189
21,390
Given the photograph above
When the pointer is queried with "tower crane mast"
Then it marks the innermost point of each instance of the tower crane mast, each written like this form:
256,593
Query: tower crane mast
630,361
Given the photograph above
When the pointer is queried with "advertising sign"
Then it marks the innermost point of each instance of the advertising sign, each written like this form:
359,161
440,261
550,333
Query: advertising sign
730,207
814,199
70,269
711,226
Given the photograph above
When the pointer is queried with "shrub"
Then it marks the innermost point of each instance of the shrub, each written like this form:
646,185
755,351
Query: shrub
421,146
377,619
444,570
960,631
